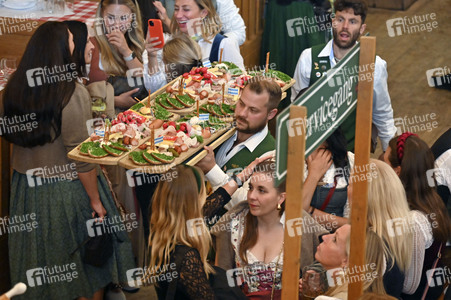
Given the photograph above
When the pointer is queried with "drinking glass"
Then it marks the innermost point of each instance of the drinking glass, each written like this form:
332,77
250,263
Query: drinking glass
313,282
8,66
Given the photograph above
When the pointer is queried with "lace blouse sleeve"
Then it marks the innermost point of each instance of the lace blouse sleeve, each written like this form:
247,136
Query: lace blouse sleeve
215,202
193,280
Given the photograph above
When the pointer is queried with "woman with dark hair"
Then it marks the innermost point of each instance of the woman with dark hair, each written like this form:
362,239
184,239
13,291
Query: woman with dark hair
83,46
326,177
412,159
59,194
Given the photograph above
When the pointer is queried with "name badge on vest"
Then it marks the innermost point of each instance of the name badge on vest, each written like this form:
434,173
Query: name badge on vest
323,61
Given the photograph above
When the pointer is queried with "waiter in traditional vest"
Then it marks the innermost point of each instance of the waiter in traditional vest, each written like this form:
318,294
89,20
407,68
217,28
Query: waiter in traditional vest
252,139
313,63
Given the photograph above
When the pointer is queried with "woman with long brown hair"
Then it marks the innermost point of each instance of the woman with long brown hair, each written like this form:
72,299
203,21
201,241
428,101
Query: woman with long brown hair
412,159
249,238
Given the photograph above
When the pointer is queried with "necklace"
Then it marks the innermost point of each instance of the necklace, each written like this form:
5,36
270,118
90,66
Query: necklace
275,272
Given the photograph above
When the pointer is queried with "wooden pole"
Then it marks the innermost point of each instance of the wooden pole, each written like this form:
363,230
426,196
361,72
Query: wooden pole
362,155
293,208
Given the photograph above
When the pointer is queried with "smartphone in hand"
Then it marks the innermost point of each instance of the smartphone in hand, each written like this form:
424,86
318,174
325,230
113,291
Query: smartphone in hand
156,30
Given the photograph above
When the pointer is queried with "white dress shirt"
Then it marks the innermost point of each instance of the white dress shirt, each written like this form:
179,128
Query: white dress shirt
382,109
443,163
218,177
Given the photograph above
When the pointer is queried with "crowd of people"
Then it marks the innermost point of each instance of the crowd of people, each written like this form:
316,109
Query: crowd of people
241,208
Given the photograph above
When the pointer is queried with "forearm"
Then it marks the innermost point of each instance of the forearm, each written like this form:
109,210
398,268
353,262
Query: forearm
329,221
134,64
89,181
308,190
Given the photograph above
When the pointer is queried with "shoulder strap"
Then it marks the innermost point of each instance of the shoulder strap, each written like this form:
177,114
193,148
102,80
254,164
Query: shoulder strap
428,280
214,52
172,288
319,65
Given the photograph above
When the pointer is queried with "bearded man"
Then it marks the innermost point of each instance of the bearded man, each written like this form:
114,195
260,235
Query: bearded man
257,105
348,26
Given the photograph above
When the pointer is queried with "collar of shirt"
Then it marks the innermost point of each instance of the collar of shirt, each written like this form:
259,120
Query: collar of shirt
225,154
282,220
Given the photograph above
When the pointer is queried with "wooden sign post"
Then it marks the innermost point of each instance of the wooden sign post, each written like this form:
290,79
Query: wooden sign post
359,198
330,102
293,205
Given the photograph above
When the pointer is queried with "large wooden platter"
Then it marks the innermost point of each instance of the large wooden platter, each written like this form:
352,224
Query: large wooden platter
107,160
215,139
288,85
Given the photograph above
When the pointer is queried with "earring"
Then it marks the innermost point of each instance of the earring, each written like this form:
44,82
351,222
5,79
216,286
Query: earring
278,206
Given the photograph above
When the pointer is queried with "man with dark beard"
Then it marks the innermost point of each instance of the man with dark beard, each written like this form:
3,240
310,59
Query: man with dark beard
313,63
252,139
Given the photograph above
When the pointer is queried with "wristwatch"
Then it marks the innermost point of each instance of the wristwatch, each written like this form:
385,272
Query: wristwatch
237,180
130,57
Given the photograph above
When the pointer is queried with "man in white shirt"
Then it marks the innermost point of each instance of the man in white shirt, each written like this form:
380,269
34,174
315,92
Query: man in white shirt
257,105
232,22
348,26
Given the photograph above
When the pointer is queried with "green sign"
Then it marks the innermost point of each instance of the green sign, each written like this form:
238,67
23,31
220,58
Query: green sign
329,102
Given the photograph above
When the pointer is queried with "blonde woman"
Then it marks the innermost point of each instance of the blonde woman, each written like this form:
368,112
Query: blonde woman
180,54
333,254
387,206
199,20
179,239
118,44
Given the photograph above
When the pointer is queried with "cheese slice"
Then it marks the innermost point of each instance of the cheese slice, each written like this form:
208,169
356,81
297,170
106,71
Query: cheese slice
116,135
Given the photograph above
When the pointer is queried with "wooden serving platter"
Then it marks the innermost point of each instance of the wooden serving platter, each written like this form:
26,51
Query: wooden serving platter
288,85
215,139
107,160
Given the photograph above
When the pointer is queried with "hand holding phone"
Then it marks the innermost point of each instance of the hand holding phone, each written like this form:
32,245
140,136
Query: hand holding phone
156,30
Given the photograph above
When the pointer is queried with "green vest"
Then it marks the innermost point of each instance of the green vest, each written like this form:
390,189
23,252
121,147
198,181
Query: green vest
244,157
320,65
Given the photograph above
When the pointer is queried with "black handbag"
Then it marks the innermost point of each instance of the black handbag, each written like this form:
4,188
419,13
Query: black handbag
98,249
